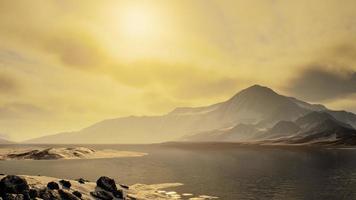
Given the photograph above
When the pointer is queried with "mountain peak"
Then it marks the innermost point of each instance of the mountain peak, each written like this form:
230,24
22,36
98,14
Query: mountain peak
258,89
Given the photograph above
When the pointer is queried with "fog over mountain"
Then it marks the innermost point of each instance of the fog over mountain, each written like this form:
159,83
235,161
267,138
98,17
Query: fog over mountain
5,141
256,113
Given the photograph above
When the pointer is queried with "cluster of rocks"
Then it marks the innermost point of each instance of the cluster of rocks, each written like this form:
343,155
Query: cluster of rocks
16,188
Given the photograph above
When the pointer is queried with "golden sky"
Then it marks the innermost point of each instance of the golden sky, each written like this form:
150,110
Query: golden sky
65,64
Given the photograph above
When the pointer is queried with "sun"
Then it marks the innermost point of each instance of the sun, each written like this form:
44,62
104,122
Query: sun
138,23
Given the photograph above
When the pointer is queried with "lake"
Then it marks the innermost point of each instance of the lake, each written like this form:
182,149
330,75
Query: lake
229,171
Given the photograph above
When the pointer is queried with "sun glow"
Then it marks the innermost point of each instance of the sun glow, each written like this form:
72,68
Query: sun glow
138,23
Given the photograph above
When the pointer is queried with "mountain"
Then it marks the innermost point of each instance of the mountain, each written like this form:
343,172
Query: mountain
256,106
316,127
324,129
282,129
313,119
4,141
240,132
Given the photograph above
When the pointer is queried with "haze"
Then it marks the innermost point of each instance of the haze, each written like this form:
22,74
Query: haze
67,64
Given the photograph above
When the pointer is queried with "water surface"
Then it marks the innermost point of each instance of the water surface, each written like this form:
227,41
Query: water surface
228,171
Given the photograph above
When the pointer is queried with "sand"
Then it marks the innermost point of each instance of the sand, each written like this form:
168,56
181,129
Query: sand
35,153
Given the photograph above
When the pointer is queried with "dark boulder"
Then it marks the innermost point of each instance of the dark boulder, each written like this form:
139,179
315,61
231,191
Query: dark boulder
47,194
53,185
65,183
67,195
106,183
13,184
103,195
77,194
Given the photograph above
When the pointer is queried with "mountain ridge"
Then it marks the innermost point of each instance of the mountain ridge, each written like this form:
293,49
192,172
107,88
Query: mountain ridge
257,105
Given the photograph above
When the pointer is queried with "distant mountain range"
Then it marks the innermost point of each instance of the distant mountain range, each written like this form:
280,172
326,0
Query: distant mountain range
4,141
255,114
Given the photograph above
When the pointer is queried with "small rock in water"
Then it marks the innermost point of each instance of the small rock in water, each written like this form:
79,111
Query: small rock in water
66,195
65,183
103,195
106,183
78,194
13,184
53,185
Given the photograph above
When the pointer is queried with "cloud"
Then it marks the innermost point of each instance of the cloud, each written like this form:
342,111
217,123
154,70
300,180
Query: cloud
318,84
8,84
20,110
58,30
177,80
76,49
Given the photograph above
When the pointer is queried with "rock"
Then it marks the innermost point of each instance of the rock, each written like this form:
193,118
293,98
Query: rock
26,195
124,186
9,196
53,186
118,194
82,180
65,183
103,195
78,194
106,183
47,194
67,196
13,184
130,198
33,193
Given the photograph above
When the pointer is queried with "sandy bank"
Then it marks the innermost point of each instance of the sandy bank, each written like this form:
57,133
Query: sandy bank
32,153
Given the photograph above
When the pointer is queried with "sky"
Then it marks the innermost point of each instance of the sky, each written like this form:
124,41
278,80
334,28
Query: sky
67,64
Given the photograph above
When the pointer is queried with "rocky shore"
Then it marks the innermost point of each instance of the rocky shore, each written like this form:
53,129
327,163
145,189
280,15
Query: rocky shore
14,187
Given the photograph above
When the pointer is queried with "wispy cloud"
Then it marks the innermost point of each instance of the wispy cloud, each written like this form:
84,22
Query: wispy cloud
8,84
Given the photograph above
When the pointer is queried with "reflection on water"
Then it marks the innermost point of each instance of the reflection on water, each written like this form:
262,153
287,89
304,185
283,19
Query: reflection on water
229,172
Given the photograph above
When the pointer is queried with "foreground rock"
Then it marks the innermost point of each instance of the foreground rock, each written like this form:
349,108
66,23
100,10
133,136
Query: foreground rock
106,183
36,187
63,153
13,184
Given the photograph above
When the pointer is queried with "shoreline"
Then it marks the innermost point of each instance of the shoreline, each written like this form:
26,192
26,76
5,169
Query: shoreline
105,188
